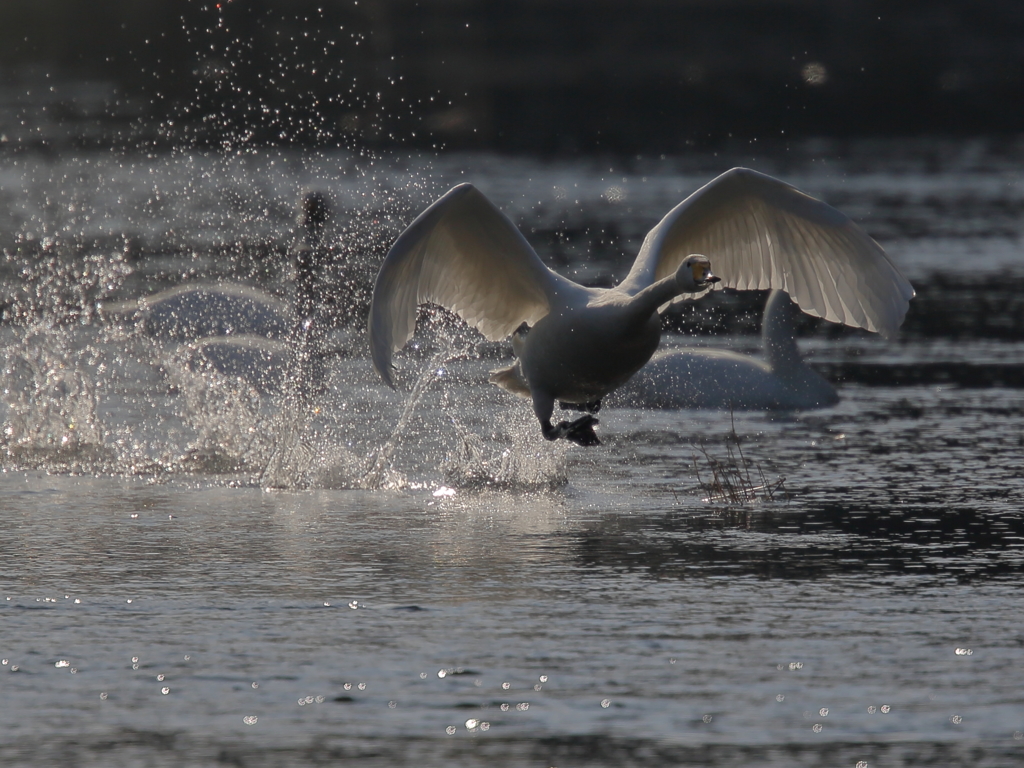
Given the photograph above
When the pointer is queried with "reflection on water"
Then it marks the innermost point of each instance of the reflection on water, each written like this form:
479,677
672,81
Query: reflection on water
371,623
200,567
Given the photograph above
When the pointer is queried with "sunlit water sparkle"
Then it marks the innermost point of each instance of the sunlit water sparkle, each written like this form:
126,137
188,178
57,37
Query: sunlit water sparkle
300,568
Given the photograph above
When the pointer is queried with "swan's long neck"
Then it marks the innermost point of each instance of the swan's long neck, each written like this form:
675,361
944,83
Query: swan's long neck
314,233
646,302
312,254
306,298
777,333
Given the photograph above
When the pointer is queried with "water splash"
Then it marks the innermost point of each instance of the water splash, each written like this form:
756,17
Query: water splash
291,455
524,461
97,393
50,389
377,473
259,426
223,410
217,206
52,404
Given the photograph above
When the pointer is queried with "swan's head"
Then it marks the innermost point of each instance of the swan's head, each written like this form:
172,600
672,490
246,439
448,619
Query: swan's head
694,274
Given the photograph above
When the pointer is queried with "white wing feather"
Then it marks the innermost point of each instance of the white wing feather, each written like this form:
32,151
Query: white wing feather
465,255
762,233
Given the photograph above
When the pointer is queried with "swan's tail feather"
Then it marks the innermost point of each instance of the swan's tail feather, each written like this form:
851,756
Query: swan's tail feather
511,379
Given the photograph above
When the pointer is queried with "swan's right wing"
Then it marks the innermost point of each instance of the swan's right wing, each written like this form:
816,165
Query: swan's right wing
465,255
761,233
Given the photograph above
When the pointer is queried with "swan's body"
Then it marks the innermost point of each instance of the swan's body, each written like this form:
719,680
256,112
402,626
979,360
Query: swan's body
197,311
261,362
464,254
593,344
712,378
188,312
241,331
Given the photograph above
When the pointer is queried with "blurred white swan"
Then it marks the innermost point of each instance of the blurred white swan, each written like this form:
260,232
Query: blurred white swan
261,362
464,254
188,312
198,311
713,378
242,332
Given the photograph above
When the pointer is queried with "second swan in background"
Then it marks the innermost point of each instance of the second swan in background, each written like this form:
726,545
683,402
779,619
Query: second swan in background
720,379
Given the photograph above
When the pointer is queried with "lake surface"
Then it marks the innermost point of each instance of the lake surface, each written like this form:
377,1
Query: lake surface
197,569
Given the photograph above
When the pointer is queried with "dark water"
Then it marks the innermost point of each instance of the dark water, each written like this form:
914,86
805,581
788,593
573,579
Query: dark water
198,571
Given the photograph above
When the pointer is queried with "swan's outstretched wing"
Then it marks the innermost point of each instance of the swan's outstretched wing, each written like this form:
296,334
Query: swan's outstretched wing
464,254
762,233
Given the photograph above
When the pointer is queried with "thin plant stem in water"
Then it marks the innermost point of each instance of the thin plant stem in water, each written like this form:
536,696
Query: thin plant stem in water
731,480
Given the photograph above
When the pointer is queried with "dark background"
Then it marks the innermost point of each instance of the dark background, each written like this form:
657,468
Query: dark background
543,76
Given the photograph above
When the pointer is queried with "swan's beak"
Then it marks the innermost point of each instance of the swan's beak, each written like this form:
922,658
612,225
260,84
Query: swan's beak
702,275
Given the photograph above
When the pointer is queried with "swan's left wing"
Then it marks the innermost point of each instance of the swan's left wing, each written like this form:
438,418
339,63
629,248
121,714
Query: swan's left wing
762,233
464,254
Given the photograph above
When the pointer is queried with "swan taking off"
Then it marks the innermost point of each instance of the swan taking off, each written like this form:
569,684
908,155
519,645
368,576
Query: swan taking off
576,344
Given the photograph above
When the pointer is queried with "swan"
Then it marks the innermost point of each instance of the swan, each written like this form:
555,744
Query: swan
239,331
299,355
713,378
576,344
197,311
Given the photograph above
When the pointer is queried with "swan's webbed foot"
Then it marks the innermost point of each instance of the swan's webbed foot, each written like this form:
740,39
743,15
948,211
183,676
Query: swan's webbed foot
592,407
580,431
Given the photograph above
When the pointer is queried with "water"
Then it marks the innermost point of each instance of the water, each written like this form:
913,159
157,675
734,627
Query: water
196,569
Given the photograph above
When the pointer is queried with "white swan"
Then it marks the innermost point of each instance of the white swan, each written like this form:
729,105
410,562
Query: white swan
242,332
464,254
262,363
714,378
188,312
298,354
198,311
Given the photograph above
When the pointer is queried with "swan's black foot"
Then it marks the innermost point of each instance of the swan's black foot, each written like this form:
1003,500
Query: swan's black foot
593,407
580,431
